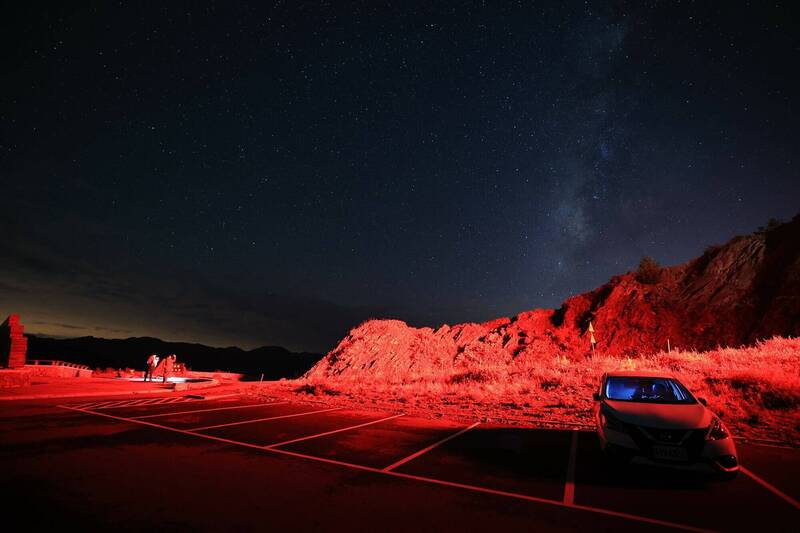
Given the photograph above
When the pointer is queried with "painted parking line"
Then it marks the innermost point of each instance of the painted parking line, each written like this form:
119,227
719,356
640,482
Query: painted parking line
84,405
569,486
779,465
377,445
505,458
146,401
206,419
133,403
486,490
93,405
686,495
110,404
349,428
475,488
429,448
241,422
271,432
248,406
772,488
151,406
161,401
129,403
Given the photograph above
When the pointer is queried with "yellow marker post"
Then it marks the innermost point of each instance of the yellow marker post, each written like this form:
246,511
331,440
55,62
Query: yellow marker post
591,337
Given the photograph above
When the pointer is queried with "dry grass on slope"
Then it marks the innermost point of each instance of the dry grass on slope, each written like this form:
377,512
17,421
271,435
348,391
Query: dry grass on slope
756,389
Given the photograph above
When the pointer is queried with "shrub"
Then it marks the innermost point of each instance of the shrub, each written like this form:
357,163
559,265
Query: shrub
649,271
780,399
552,383
771,225
474,376
315,389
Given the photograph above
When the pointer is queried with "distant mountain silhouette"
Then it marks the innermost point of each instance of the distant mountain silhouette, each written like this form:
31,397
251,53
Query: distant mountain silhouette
732,295
273,361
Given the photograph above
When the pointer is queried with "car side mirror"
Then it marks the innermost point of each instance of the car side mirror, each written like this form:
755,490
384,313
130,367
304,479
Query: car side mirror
596,396
703,401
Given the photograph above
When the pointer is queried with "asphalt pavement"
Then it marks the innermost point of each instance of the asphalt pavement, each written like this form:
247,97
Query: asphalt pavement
232,463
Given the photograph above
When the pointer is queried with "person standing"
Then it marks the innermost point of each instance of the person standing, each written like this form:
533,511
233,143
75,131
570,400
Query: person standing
168,364
152,363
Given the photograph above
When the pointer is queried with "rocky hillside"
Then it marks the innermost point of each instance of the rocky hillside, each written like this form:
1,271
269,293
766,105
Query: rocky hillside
732,295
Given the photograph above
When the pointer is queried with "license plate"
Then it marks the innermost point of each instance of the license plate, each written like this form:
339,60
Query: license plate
670,453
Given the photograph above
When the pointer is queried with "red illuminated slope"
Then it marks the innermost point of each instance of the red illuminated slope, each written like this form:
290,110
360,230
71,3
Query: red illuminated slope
735,294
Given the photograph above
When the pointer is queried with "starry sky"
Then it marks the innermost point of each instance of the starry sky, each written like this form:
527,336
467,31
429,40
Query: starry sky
274,174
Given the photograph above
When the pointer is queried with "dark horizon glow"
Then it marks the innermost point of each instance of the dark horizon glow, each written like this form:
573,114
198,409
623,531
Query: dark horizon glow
259,175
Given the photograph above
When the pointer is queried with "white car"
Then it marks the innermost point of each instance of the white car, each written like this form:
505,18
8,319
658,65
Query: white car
653,416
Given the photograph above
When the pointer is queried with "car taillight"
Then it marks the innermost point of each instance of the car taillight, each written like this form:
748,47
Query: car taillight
717,430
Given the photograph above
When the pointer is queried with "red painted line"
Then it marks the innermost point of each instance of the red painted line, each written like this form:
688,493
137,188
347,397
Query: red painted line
162,401
133,403
265,419
206,410
569,486
326,460
332,432
146,401
495,492
121,403
656,521
87,405
160,426
429,448
771,488
400,474
100,405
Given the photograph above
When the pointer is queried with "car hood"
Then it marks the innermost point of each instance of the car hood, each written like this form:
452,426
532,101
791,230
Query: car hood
660,415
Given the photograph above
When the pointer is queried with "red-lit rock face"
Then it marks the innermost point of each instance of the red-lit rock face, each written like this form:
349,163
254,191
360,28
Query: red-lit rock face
735,294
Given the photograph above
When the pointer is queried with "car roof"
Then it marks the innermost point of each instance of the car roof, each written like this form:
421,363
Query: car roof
639,374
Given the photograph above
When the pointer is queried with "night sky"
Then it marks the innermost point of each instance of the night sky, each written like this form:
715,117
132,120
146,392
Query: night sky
276,174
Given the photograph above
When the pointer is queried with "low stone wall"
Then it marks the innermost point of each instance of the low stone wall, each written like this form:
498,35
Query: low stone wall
222,377
187,385
14,378
55,371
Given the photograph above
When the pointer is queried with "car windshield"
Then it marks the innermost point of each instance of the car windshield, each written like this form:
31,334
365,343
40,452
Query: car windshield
647,389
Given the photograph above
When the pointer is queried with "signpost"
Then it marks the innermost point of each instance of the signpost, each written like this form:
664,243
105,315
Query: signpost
591,336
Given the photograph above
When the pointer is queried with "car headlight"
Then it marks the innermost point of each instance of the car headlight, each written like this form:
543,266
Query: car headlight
717,430
609,421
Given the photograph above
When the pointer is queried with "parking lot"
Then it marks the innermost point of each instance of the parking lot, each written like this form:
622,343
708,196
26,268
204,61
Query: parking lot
557,468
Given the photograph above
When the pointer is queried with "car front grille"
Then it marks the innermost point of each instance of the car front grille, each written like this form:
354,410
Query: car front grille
645,438
665,436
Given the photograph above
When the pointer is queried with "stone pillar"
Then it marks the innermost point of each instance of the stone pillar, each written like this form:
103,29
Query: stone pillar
13,343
